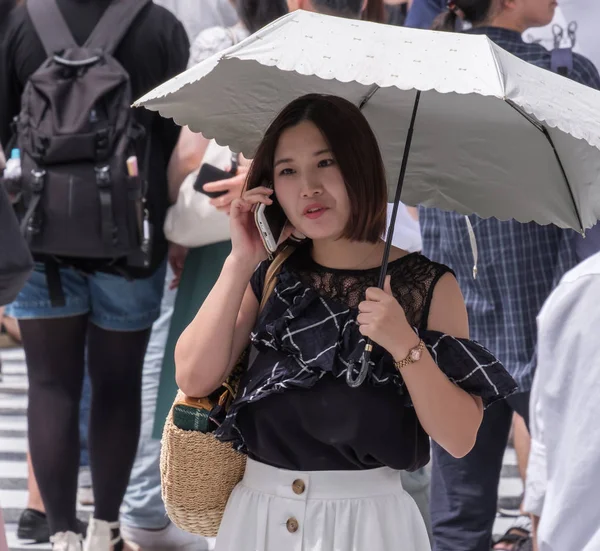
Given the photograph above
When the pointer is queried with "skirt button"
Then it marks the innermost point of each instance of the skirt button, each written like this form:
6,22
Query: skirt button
298,486
292,525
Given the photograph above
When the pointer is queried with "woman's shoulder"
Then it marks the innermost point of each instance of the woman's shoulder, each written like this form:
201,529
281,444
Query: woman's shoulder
416,267
414,278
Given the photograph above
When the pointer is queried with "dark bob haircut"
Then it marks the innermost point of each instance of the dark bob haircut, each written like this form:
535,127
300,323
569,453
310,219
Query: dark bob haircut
354,148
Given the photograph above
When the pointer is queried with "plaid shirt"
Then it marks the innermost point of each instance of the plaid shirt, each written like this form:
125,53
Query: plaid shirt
519,264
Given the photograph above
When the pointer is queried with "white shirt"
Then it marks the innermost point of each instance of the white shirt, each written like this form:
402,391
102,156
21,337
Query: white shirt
214,40
407,234
563,476
586,13
197,15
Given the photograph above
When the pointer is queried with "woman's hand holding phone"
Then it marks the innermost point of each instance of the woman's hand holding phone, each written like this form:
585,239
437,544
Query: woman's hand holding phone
246,243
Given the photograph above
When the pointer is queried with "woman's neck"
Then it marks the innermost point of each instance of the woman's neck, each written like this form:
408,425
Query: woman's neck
342,254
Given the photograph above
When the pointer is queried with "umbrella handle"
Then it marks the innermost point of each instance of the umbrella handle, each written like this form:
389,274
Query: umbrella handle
364,368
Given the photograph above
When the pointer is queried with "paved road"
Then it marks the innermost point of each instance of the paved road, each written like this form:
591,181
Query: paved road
13,445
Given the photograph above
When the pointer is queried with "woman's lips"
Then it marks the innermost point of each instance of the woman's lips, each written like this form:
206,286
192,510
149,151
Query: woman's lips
314,211
315,215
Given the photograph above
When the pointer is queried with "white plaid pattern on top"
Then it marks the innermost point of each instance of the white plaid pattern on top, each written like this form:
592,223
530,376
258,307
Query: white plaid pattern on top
301,336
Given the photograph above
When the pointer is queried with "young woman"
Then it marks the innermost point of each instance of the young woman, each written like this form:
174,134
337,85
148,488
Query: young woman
324,458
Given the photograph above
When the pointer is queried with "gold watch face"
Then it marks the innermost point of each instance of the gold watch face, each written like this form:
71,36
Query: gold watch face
415,354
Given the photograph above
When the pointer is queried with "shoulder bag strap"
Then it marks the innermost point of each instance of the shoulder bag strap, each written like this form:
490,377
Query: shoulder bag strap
50,26
114,24
273,272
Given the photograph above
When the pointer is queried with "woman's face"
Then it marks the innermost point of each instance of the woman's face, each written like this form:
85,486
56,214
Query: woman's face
309,184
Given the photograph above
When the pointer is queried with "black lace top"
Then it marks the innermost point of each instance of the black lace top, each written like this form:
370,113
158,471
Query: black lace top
294,409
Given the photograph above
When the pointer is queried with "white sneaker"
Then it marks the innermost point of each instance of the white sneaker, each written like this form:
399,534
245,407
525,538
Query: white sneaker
170,538
99,537
66,541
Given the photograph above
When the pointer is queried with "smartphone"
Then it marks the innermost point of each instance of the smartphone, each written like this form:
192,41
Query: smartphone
208,174
270,221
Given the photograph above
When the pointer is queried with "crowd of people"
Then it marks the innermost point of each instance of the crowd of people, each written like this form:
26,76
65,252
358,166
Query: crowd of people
104,364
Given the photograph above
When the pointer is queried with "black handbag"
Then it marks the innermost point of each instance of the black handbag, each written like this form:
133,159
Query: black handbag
16,262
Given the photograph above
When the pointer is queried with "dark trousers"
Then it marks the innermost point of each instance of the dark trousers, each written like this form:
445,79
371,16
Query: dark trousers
464,492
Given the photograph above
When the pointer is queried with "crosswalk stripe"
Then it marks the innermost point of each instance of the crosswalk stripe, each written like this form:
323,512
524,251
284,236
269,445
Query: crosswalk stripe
15,545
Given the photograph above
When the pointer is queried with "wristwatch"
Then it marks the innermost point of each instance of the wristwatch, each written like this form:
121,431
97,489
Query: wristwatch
414,355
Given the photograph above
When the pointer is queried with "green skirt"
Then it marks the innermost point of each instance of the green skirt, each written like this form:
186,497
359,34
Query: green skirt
201,271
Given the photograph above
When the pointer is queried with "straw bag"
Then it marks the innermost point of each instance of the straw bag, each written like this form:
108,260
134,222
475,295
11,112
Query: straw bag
198,472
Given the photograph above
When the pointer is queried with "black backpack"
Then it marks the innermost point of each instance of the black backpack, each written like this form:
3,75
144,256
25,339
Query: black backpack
82,188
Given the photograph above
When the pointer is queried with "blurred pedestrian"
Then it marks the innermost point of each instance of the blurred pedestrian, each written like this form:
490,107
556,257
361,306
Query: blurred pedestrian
103,311
375,11
422,13
563,476
518,266
574,28
397,11
15,264
197,16
340,8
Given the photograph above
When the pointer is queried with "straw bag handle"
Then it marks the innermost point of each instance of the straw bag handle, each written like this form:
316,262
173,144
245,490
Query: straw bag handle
273,272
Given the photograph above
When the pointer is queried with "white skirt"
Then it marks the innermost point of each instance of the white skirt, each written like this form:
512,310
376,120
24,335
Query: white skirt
279,510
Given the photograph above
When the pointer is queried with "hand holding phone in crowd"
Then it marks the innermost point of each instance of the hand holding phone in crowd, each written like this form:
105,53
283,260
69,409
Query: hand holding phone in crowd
222,186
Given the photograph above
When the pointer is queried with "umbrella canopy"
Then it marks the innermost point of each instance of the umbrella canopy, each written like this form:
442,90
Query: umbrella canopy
493,135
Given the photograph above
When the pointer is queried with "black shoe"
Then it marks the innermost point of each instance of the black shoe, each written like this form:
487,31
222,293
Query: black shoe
33,526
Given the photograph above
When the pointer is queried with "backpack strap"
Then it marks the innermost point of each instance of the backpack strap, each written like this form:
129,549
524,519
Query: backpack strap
50,26
114,24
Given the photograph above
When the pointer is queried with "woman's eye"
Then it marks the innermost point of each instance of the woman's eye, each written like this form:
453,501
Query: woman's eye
286,172
326,162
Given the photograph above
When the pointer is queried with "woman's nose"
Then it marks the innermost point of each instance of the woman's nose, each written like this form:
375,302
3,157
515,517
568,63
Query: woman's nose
312,189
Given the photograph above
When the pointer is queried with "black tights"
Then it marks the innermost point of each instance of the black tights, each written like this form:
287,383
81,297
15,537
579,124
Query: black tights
55,350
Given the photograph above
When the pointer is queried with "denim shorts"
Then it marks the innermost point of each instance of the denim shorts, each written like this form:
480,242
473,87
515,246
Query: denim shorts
112,302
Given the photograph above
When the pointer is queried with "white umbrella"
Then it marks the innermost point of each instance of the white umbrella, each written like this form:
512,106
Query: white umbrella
493,135
483,133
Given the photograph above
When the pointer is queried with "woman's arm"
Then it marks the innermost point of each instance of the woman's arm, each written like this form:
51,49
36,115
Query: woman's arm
448,414
209,347
212,343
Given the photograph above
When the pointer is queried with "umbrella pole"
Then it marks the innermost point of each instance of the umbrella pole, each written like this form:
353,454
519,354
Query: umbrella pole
362,375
